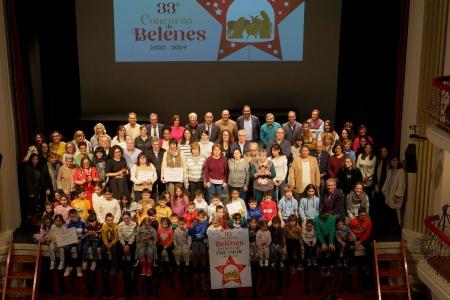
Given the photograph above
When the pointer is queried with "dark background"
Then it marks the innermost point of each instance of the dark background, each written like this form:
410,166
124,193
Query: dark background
44,57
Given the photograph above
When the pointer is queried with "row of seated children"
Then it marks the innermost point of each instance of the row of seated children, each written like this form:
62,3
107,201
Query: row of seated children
291,237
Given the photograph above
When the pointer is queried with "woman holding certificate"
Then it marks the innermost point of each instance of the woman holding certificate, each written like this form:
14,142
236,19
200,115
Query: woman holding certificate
116,172
142,174
173,166
216,171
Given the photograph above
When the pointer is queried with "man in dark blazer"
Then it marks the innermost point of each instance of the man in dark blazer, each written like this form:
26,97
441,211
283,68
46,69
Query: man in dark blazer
252,121
213,129
241,143
154,129
155,156
292,128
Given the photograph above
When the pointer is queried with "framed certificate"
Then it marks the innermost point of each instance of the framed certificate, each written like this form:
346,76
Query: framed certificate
173,175
234,207
66,237
144,175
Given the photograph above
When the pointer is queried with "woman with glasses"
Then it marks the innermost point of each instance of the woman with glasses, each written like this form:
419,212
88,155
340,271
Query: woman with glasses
86,176
117,172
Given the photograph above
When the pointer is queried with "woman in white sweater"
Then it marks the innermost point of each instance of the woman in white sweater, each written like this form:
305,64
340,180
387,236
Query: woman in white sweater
366,162
280,164
394,187
108,205
143,175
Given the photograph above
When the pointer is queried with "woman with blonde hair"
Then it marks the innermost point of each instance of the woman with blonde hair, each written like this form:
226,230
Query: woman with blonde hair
99,130
80,137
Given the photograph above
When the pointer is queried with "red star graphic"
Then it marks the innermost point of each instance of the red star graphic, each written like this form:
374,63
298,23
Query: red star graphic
219,8
233,271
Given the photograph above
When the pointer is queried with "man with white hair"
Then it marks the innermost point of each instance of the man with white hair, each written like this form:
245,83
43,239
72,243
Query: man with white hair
268,130
228,124
131,153
210,126
285,145
241,143
132,128
192,124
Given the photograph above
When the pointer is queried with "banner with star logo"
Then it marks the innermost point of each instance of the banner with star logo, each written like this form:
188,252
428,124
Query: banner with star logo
209,30
229,259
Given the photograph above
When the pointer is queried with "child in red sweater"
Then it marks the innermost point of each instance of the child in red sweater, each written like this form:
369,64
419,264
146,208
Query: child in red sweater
165,241
268,208
190,215
220,212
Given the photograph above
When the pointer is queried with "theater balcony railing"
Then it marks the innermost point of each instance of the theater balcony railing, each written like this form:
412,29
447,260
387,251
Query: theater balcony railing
438,111
434,268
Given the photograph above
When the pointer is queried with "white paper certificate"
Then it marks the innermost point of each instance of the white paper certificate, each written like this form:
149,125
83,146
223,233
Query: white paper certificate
145,175
173,175
66,237
234,207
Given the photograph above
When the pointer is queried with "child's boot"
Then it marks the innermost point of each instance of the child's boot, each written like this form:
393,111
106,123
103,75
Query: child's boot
143,263
148,270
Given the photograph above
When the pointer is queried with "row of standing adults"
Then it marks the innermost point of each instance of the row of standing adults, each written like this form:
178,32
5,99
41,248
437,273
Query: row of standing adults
300,154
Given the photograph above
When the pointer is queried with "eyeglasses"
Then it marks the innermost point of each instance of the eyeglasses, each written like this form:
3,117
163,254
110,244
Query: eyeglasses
118,151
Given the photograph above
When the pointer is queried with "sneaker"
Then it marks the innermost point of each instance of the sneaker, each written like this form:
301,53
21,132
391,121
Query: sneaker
314,262
79,272
272,265
266,263
93,266
136,263
84,265
61,265
281,265
67,271
346,263
52,265
261,263
300,267
308,262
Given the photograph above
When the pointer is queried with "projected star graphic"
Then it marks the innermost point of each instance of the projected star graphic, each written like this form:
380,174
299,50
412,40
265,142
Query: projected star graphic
231,271
254,24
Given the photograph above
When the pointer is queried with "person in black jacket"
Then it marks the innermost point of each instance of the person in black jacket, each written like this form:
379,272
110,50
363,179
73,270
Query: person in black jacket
332,199
155,156
49,174
322,160
348,175
34,193
278,243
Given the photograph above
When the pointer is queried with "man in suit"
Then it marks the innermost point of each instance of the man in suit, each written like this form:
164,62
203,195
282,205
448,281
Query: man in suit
249,123
241,143
292,128
154,129
210,126
155,156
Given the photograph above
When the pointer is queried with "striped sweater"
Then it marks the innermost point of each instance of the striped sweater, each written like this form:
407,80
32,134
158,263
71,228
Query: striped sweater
194,166
127,233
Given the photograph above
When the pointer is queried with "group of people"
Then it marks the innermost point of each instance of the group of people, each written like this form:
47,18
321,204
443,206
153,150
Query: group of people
150,194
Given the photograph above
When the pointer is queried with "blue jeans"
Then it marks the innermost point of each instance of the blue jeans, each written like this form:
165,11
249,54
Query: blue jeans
242,194
214,188
113,265
90,244
276,254
259,195
279,192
